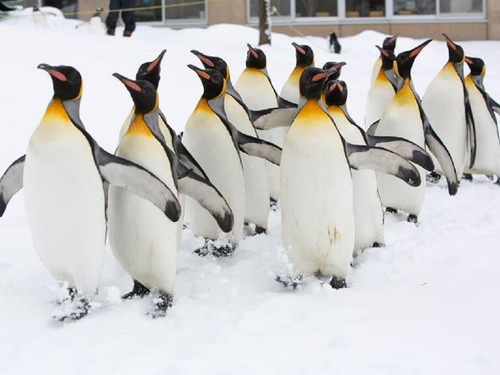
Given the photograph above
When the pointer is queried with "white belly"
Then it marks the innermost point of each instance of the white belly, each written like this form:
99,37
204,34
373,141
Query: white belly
316,201
142,238
402,119
368,213
65,205
379,97
211,145
487,142
443,104
254,169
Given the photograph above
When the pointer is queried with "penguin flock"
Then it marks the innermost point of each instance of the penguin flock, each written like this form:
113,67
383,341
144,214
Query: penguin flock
244,150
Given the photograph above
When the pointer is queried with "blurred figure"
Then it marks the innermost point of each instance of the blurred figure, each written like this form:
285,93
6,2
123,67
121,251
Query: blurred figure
128,16
334,43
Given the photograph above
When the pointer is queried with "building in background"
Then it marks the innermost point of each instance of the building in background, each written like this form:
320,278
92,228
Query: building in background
463,19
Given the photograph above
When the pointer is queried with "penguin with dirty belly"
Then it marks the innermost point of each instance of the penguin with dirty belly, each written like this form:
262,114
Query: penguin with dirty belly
62,175
317,213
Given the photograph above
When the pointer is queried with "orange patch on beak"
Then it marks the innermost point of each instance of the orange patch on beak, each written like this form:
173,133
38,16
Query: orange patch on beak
203,74
131,84
206,61
56,74
320,76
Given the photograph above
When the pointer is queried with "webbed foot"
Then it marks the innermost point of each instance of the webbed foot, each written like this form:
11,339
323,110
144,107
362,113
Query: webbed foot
138,290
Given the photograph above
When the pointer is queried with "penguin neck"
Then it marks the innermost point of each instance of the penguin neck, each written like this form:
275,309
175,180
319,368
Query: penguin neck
56,110
139,126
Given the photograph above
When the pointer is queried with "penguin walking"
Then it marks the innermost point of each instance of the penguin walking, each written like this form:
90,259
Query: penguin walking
316,187
487,159
446,105
216,144
382,89
368,212
389,44
405,108
144,241
257,193
190,178
62,174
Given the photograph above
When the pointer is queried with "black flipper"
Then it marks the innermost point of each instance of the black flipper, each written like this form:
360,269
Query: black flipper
11,182
283,103
271,118
202,190
471,127
439,150
125,174
372,129
382,160
243,142
407,149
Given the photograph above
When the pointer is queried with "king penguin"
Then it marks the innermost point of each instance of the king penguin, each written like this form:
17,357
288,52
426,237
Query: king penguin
483,106
144,241
62,174
317,213
382,89
216,144
257,193
446,105
389,44
405,108
258,93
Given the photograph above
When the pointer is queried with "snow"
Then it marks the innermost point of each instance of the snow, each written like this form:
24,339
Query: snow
427,303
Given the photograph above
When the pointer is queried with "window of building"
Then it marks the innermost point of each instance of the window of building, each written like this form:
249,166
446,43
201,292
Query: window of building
460,6
414,7
365,8
279,8
170,11
316,8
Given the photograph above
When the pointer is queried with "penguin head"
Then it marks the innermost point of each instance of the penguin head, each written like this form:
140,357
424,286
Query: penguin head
312,81
304,55
476,66
455,52
143,94
335,67
66,80
256,58
389,43
214,83
406,59
150,71
335,92
213,62
387,57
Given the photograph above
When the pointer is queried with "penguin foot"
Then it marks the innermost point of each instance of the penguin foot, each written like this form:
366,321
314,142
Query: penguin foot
412,219
138,290
338,283
260,230
73,310
162,304
433,177
498,181
391,210
467,177
290,282
273,204
216,248
378,244
490,177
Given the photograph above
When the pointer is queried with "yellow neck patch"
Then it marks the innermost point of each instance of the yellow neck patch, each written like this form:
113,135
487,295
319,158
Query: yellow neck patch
139,127
56,111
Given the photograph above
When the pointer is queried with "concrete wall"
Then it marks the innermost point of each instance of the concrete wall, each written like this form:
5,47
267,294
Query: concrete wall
227,11
493,15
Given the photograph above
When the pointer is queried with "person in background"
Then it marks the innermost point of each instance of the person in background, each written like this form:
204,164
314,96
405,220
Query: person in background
128,16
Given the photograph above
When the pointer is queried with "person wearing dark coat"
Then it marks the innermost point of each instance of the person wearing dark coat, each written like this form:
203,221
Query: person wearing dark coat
128,16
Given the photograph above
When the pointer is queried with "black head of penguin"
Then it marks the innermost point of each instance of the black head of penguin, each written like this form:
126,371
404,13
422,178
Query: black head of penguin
66,80
387,57
304,55
213,82
406,59
455,52
389,43
212,62
476,65
335,92
143,94
312,81
150,71
335,67
256,58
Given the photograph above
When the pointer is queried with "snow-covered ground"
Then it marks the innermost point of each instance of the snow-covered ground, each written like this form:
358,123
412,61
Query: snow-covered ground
427,303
